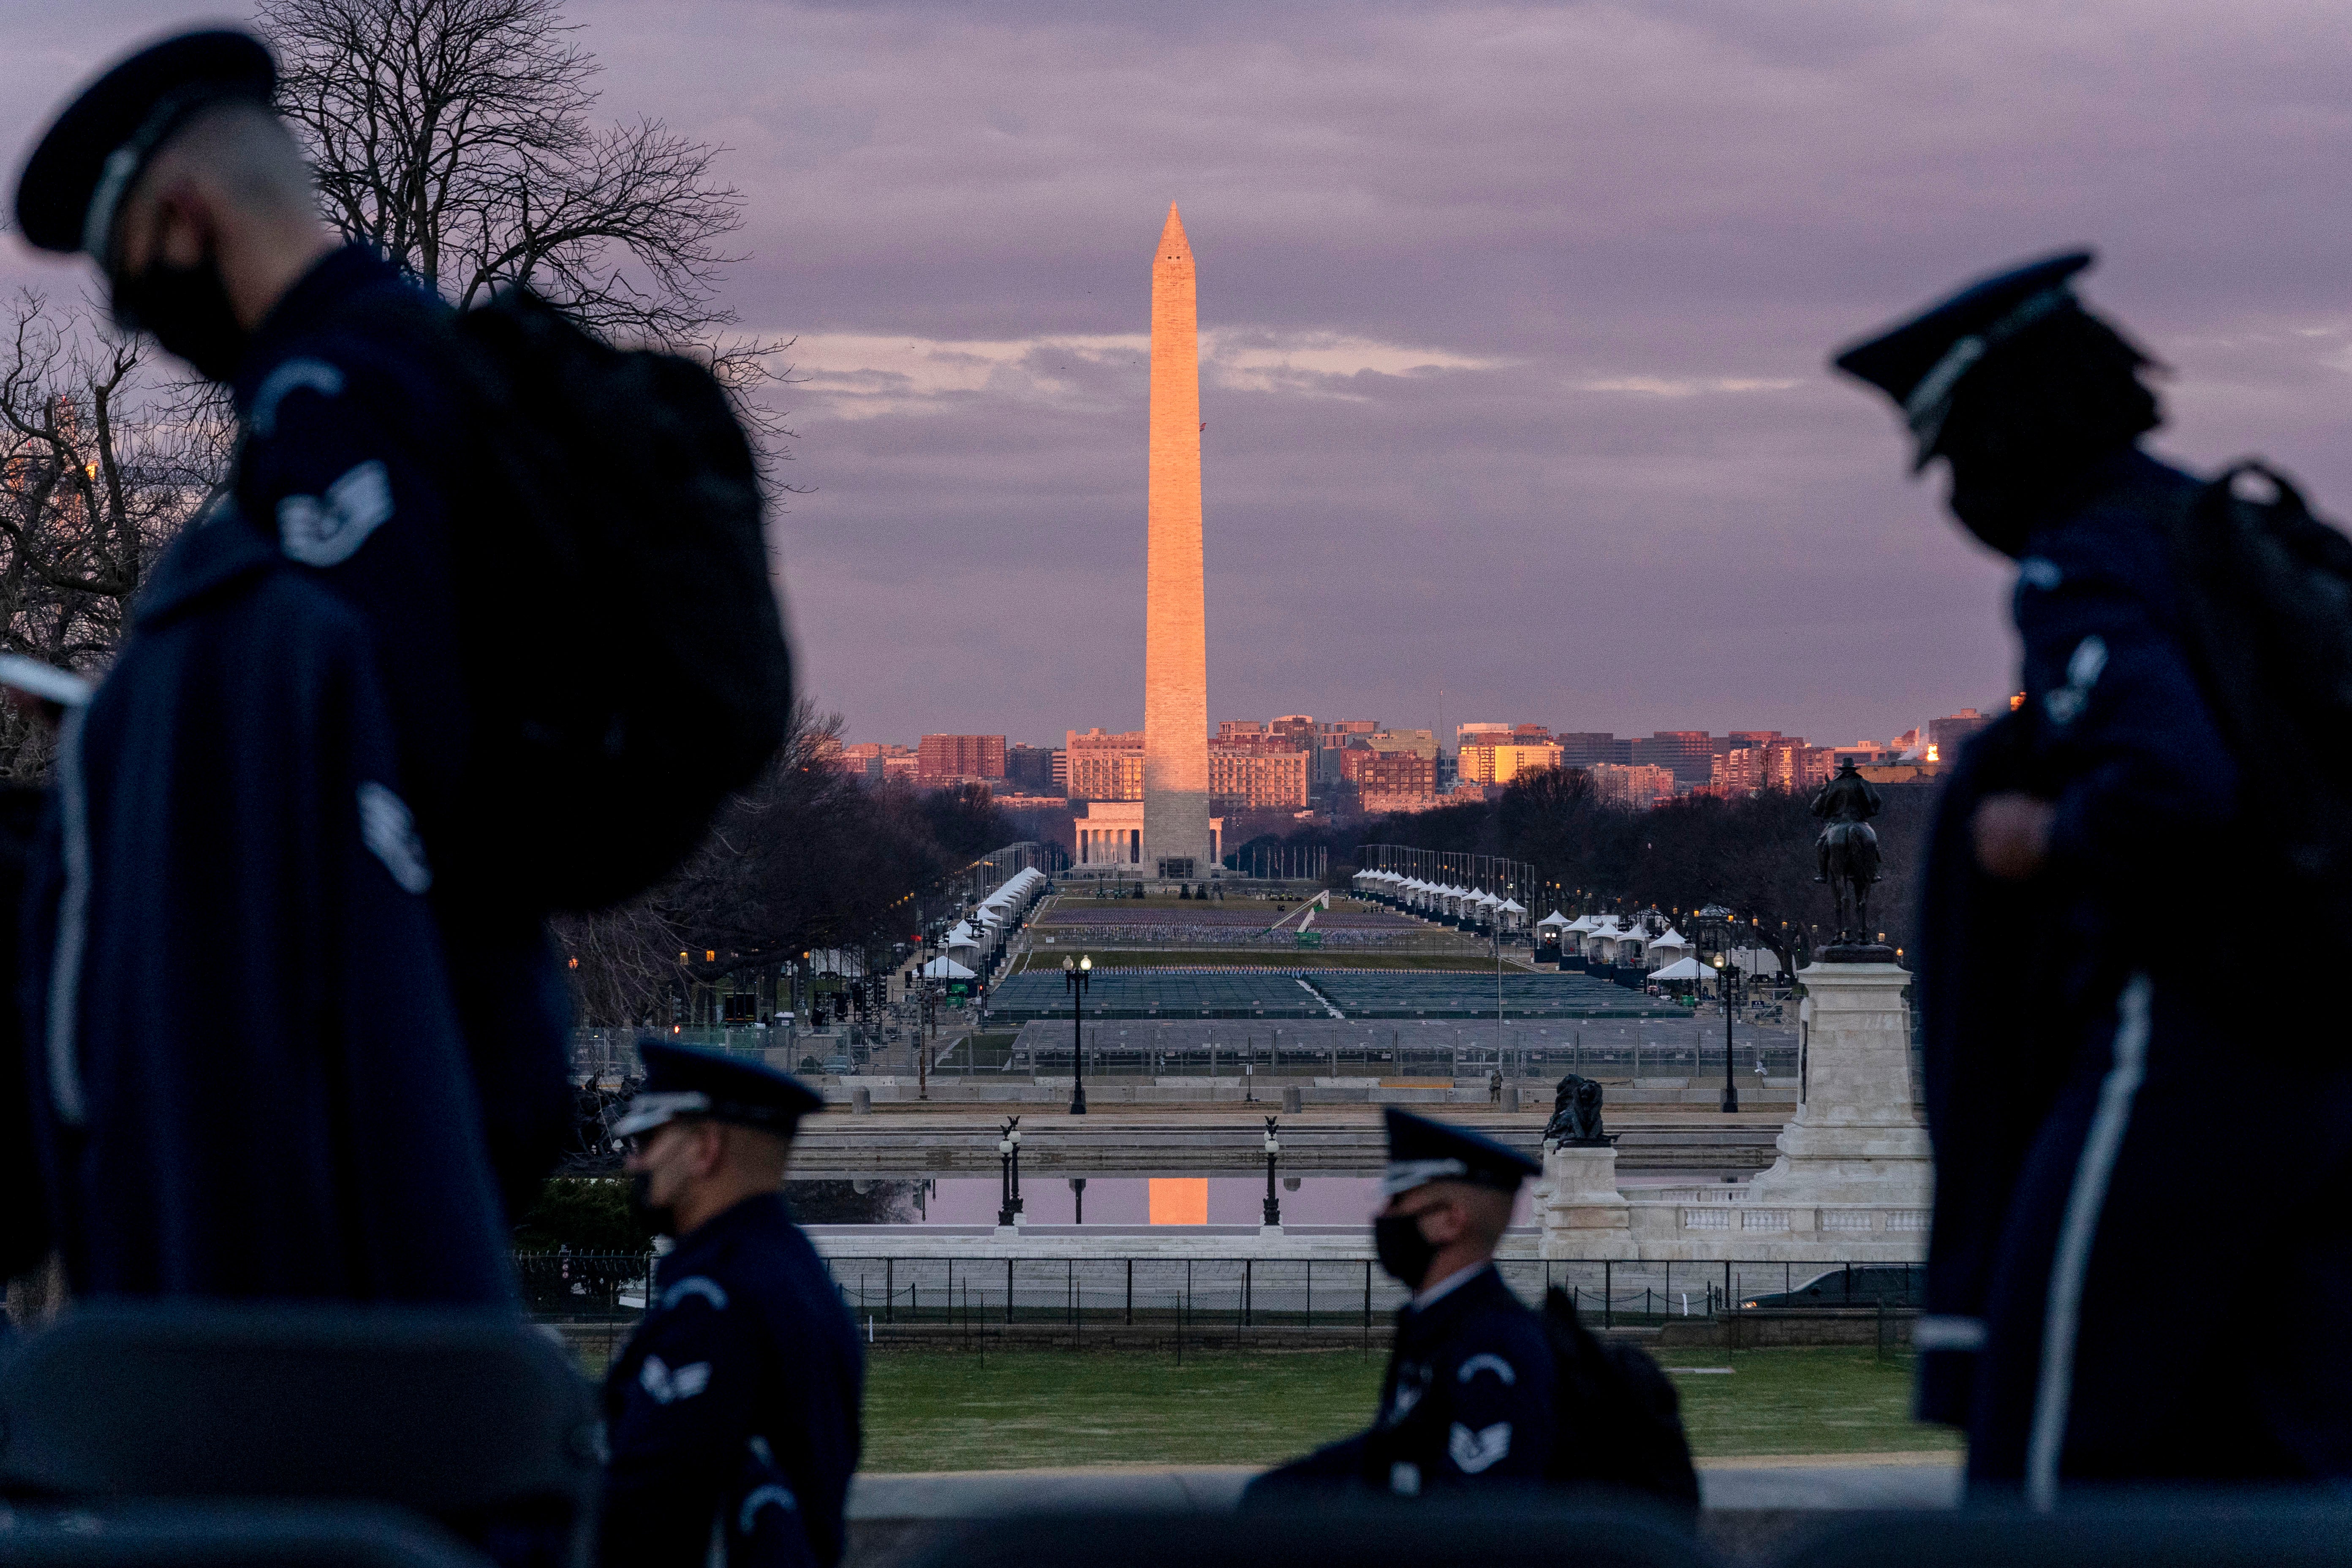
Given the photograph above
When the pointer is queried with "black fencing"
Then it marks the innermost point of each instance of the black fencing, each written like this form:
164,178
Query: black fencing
1337,1296
1340,1295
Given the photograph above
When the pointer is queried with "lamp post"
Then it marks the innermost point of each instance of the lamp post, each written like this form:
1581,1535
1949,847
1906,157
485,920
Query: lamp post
1273,1149
1712,925
1076,975
1077,1200
1008,1156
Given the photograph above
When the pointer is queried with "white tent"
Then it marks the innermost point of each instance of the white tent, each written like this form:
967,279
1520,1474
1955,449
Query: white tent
946,969
1551,919
1682,969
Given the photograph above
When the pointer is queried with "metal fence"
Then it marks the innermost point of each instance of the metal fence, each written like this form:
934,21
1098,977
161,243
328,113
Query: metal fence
1464,1049
1340,1294
1336,1294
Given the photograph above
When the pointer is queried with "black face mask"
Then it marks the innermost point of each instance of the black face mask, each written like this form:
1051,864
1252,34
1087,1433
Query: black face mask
1403,1250
659,1218
188,310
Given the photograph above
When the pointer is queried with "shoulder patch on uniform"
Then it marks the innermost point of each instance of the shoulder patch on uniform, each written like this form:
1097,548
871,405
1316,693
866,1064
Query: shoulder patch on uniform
327,532
2040,572
1474,1451
768,1495
1494,1363
390,833
292,376
2066,705
668,1386
700,1285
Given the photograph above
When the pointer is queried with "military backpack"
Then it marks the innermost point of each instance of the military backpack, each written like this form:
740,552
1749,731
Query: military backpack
1619,1420
2266,592
629,655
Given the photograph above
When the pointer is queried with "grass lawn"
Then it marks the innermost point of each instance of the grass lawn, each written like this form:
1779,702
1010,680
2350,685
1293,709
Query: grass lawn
927,1410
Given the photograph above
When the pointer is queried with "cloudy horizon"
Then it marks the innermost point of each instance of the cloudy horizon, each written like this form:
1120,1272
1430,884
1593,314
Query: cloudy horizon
1515,322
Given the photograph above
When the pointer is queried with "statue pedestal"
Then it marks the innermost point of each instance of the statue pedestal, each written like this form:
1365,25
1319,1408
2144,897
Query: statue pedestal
1856,1137
1582,1213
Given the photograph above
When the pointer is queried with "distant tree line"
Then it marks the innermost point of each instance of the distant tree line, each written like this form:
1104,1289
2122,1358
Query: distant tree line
805,857
1753,855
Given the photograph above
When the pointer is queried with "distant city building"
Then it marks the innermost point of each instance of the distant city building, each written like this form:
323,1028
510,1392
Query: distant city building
1481,732
1032,768
1502,764
1380,781
1101,766
900,762
1688,753
871,760
1420,743
1583,748
949,759
1636,786
1947,734
1245,774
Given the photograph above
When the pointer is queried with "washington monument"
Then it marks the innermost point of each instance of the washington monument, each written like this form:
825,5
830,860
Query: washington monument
1175,640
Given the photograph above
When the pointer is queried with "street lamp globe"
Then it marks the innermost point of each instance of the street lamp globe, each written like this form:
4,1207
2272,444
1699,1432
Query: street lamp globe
1003,1146
1086,962
1068,963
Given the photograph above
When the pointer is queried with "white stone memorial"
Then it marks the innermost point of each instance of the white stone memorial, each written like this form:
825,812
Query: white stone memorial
1856,1137
1579,1206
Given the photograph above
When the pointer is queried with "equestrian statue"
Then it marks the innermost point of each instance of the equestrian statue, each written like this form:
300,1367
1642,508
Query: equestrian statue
1848,850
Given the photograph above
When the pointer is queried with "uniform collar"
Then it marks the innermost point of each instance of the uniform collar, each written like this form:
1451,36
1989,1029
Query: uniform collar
333,278
1459,1296
1423,1299
759,1212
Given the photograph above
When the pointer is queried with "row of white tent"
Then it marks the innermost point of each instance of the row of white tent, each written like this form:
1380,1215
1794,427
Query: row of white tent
1443,900
980,934
1612,939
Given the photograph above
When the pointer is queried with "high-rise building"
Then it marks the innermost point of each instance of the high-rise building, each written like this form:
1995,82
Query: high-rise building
1176,841
1248,777
1397,773
1420,743
1099,766
949,759
1501,764
1031,768
1636,787
1690,753
1583,748
1946,735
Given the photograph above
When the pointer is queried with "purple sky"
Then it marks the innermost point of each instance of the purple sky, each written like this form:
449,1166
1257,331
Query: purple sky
1514,323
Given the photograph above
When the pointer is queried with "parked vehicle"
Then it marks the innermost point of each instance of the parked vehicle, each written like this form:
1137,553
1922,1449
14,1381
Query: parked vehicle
1852,1284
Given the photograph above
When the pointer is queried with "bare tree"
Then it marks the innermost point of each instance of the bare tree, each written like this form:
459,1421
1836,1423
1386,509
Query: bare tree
802,858
455,136
100,466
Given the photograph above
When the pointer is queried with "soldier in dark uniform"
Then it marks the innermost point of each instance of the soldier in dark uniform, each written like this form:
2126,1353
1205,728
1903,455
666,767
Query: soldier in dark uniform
731,1417
2069,1052
294,686
1467,1402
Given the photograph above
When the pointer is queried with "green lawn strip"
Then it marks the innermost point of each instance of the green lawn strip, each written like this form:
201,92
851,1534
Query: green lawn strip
1832,1399
927,1410
1030,1409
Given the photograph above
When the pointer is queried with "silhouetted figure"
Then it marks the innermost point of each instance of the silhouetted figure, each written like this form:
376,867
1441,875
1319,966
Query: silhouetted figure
2069,1052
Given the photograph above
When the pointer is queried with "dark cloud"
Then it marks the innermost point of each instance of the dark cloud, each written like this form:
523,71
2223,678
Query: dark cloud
1627,236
